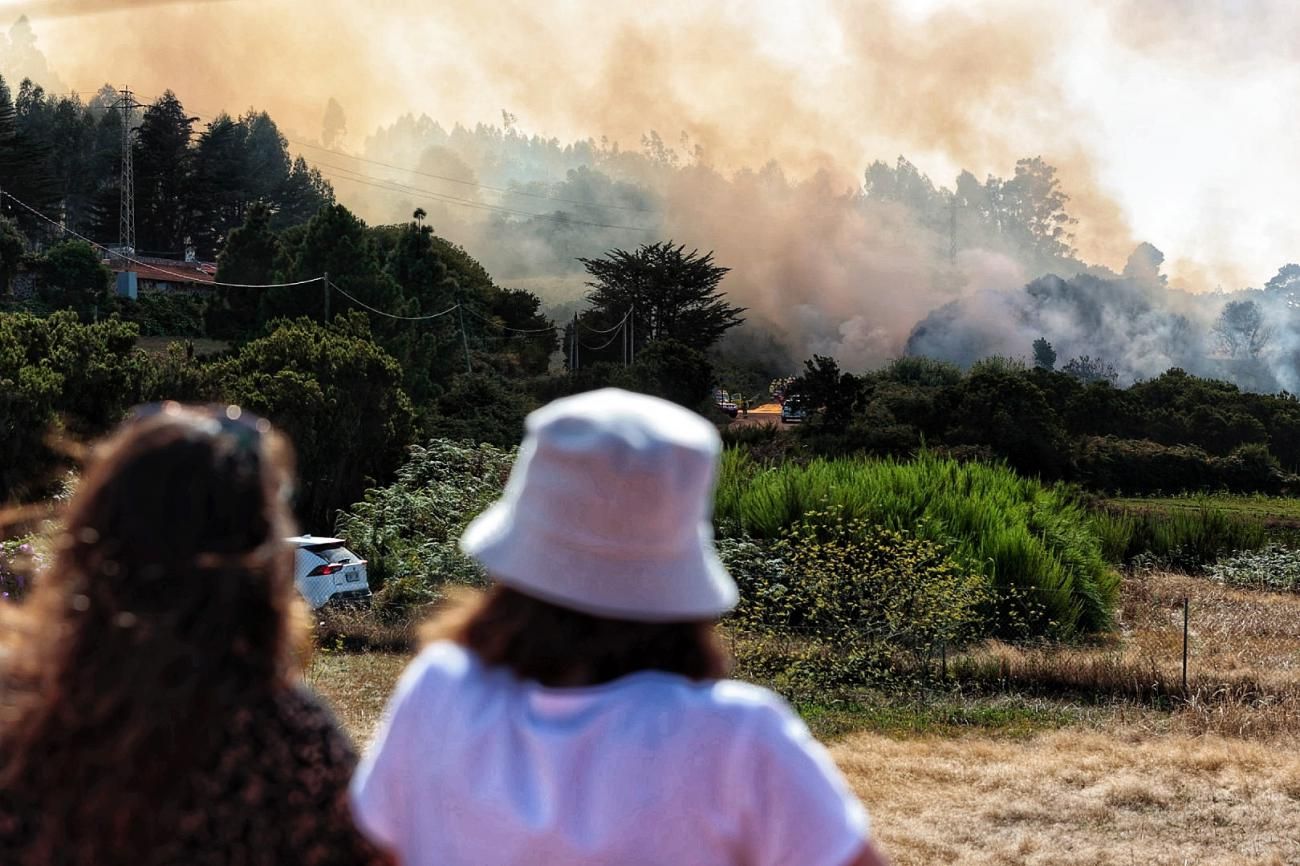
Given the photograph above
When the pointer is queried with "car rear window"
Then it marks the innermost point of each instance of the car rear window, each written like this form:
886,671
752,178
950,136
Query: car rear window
334,553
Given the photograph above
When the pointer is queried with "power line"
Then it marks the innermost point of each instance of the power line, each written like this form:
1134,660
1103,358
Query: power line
617,325
189,278
396,186
453,308
601,347
463,182
507,327
475,184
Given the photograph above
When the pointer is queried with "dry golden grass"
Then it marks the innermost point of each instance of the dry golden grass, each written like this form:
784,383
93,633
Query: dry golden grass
1215,781
1132,795
1243,669
356,685
1072,797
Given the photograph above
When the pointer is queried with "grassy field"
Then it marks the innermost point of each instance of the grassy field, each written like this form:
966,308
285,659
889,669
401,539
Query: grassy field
1273,510
1125,796
1091,755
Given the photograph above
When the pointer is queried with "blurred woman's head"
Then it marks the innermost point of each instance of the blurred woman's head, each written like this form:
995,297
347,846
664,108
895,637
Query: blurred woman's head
169,601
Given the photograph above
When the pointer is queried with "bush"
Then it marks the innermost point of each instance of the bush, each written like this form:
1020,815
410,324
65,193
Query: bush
338,397
56,372
838,602
1140,466
1271,567
408,530
164,315
1187,540
1035,545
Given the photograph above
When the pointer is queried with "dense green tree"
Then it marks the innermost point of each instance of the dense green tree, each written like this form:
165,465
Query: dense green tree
74,276
59,374
164,177
304,192
829,394
336,394
25,168
220,183
1044,355
671,370
248,258
334,242
1002,408
243,161
431,350
12,247
482,406
665,293
521,330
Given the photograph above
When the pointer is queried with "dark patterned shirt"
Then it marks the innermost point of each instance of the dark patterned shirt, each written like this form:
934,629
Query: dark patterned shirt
276,795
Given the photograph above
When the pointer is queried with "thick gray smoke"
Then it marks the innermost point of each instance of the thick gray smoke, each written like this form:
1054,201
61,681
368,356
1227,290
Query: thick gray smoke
862,271
20,58
825,264
1132,322
827,259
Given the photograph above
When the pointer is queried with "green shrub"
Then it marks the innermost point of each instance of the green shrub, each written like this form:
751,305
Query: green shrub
1140,466
1034,544
1185,539
1271,567
165,315
837,602
408,530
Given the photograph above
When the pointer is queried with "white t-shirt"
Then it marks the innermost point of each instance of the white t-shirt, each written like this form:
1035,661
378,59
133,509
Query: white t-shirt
474,767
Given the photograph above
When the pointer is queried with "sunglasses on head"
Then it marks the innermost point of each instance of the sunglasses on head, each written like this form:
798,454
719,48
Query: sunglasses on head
244,429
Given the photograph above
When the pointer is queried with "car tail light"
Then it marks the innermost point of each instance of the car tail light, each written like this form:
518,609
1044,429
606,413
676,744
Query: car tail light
327,568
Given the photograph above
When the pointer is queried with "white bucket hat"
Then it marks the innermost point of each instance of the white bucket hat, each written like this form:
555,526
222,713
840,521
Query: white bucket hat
608,511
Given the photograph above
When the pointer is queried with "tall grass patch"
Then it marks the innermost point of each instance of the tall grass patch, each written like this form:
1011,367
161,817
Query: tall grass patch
1187,539
1036,545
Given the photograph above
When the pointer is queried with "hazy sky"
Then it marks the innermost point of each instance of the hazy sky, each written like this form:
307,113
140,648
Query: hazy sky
1171,121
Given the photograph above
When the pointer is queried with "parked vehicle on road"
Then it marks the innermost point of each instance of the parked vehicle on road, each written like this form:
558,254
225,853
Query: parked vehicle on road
793,411
326,572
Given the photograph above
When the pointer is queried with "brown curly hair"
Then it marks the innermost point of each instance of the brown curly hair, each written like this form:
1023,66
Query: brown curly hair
168,607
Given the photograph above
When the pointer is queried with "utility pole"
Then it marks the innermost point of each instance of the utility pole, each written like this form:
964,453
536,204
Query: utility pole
460,314
126,204
326,286
573,345
631,324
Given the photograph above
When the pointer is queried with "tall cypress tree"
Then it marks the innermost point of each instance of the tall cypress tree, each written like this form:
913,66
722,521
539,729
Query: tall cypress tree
25,170
164,176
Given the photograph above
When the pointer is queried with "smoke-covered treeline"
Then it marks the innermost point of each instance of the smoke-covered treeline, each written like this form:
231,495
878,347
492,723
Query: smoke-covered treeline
864,269
895,265
834,269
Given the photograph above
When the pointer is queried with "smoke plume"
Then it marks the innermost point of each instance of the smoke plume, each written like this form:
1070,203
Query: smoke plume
739,127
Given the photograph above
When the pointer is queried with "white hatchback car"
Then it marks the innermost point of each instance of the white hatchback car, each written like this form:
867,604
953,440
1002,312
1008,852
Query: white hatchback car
326,571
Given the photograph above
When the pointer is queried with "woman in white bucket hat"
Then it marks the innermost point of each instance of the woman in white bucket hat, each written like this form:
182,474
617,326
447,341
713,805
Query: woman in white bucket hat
577,713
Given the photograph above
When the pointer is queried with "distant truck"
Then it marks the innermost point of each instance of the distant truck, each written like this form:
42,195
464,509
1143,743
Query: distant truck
723,401
326,572
793,411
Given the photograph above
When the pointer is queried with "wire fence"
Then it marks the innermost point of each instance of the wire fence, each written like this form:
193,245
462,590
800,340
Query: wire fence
1176,641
